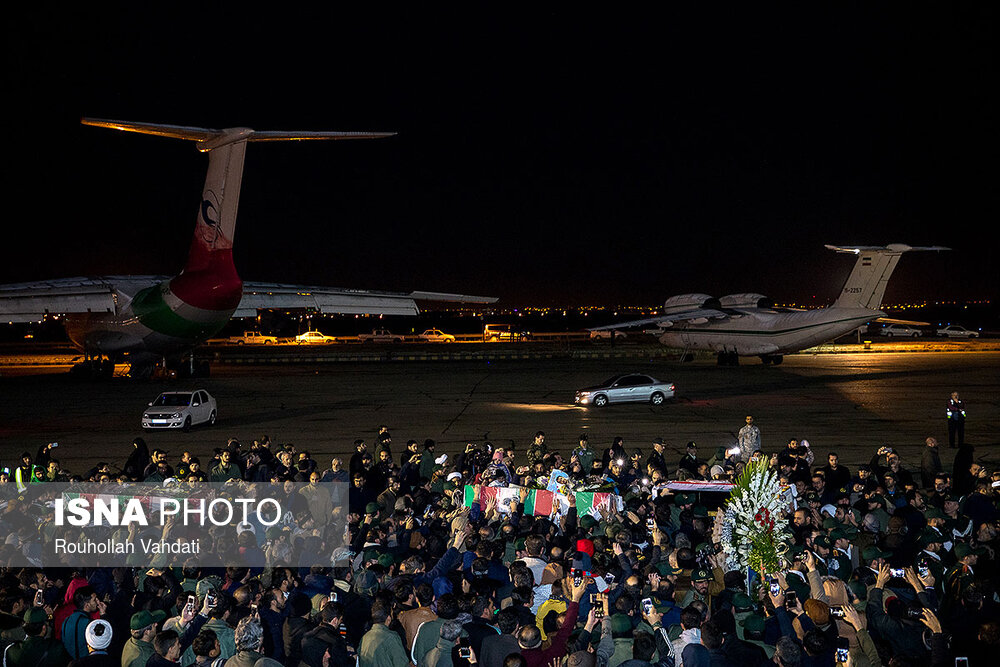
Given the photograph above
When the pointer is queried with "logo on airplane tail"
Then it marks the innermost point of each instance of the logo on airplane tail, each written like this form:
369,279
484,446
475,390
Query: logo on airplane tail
208,223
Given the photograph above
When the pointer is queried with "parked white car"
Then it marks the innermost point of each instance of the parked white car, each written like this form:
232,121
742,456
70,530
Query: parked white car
314,337
955,331
436,336
180,410
901,330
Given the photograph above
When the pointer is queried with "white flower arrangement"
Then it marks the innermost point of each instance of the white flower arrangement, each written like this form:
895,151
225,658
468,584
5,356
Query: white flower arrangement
752,528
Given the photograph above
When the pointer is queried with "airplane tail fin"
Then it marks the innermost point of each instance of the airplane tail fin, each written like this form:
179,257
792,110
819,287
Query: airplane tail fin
865,287
211,253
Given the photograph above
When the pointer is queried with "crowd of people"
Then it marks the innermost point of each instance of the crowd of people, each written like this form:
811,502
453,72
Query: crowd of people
887,564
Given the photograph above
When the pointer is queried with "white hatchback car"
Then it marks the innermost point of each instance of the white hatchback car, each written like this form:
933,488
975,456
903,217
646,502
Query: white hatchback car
180,410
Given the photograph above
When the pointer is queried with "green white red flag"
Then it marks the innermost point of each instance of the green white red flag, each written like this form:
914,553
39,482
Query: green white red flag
541,502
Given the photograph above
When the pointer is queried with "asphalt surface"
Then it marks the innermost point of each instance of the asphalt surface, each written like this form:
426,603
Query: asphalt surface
851,403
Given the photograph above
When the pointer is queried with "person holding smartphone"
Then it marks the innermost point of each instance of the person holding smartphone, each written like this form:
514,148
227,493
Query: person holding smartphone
863,651
904,635
529,638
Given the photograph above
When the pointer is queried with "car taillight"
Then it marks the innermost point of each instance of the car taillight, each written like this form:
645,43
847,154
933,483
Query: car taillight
672,387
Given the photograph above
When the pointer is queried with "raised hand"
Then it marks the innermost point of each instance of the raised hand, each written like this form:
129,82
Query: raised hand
852,616
931,621
883,576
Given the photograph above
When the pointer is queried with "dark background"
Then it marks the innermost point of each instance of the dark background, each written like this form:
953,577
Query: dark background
550,156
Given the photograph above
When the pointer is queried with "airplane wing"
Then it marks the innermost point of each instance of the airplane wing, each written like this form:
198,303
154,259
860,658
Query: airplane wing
32,302
889,320
345,301
694,316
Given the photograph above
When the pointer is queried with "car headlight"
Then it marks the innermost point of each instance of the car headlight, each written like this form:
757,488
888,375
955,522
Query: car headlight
583,393
176,415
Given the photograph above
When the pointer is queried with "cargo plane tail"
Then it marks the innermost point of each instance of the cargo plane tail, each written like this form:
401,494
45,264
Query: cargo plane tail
865,287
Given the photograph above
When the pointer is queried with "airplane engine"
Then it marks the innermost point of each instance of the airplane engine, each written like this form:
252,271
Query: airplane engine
685,302
747,300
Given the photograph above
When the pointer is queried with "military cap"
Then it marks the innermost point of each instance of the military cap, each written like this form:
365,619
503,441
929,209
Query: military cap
753,623
843,533
701,574
621,623
144,619
664,568
962,550
36,615
874,553
929,536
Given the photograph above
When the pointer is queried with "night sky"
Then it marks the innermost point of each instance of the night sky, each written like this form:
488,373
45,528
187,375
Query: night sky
546,156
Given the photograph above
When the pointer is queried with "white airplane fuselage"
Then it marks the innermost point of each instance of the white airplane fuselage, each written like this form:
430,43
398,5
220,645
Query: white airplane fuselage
758,331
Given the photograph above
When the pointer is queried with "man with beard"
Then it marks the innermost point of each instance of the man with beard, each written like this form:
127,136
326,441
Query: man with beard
412,449
705,584
360,449
801,525
325,637
837,476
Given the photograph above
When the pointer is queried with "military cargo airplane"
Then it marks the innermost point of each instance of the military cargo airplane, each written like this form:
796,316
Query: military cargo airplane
147,319
749,325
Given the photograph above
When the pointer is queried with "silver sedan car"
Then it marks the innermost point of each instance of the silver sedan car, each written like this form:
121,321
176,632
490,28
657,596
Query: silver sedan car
180,410
631,388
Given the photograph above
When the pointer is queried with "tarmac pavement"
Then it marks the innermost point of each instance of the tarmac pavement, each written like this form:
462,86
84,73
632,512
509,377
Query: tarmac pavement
851,403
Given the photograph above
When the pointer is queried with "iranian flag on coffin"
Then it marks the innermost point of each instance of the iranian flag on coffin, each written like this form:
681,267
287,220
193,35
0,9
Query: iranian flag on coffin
591,503
539,502
506,497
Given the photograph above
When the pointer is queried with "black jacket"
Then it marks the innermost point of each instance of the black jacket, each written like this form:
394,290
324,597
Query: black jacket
316,642
294,630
